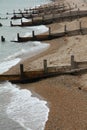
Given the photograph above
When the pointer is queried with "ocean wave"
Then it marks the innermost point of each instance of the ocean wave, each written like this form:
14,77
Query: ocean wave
26,50
37,29
36,48
17,54
30,112
6,65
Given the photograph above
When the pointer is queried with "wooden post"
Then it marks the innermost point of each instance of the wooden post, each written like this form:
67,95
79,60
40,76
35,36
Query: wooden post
49,31
59,6
26,11
21,22
65,30
75,5
2,39
33,34
11,23
69,5
45,12
80,27
63,6
61,16
38,12
14,12
72,62
32,20
18,36
70,13
33,11
45,65
20,11
43,18
0,25
54,6
31,16
78,14
53,15
70,16
22,15
21,70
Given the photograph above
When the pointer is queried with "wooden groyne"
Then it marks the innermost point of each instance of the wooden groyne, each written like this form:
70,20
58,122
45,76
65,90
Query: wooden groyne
41,10
50,35
29,15
66,16
76,68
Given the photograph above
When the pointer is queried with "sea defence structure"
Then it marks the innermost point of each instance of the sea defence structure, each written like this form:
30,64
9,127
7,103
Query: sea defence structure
53,35
52,18
40,11
75,68
2,39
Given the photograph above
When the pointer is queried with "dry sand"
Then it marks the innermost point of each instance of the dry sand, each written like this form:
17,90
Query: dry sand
68,104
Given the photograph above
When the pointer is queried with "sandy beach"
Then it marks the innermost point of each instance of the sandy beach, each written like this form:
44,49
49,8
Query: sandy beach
68,104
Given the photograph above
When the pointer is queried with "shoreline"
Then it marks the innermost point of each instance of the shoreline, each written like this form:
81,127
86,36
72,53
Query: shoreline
68,105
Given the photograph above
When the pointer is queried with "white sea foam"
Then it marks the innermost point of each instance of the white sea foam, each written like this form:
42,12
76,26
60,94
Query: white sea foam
30,112
25,20
37,29
17,54
18,21
31,49
6,65
36,48
28,50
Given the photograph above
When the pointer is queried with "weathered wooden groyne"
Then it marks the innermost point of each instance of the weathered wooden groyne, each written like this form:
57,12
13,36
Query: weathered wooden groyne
29,15
75,68
71,15
50,35
41,10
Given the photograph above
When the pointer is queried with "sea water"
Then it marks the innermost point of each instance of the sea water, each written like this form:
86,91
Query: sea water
19,110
